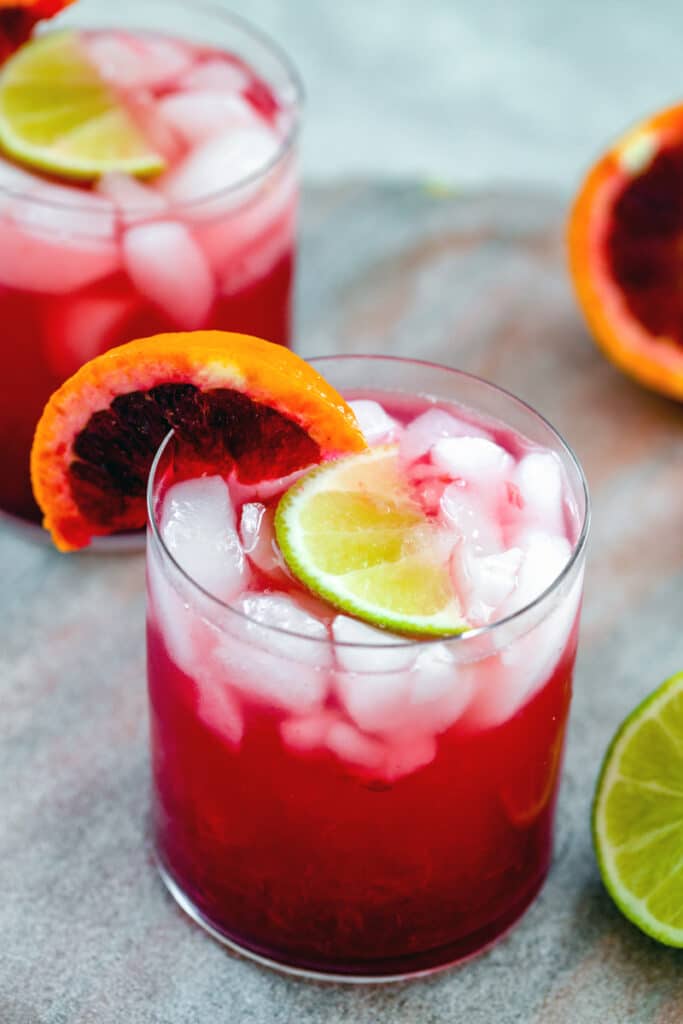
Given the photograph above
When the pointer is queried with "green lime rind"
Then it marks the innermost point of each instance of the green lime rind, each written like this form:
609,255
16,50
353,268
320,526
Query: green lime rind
637,815
57,115
350,535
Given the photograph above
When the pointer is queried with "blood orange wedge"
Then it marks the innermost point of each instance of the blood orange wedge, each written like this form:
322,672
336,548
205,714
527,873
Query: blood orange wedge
626,252
235,402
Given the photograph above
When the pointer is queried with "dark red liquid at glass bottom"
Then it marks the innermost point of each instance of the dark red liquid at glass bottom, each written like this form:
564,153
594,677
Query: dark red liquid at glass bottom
32,336
303,861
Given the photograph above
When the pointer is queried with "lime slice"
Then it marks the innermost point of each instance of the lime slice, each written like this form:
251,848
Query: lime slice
350,531
638,815
58,115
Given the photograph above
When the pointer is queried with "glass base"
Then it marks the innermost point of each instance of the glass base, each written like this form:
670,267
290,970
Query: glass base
423,964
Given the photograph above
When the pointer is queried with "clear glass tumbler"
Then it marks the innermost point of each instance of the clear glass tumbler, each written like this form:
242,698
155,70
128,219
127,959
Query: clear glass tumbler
209,244
355,859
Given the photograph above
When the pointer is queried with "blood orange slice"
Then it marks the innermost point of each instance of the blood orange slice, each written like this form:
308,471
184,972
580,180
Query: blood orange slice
18,18
626,252
235,402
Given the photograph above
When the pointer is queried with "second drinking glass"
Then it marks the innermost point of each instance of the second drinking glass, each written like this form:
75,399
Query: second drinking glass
209,243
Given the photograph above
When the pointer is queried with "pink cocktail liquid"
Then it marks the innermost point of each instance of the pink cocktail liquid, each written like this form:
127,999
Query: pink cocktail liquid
341,806
208,244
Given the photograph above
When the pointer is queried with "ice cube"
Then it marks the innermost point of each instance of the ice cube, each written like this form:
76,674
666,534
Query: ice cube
498,691
134,62
408,755
143,107
77,328
349,744
263,490
252,526
503,683
307,732
415,689
216,73
525,665
376,702
14,182
57,262
57,212
377,427
471,517
288,625
483,582
440,690
171,613
220,163
219,708
474,459
539,479
540,650
202,113
132,199
277,652
427,485
390,760
168,267
257,534
362,648
429,427
544,558
198,527
245,232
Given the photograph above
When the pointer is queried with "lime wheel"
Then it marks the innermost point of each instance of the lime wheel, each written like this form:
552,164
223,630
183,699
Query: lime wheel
58,115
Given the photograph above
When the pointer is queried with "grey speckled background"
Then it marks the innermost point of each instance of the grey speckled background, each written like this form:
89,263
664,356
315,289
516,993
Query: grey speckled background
471,92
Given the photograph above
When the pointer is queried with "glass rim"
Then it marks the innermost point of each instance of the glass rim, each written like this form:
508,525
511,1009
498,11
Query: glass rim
284,147
466,637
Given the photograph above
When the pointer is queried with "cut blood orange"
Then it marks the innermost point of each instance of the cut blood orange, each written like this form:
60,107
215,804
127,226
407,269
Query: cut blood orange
626,252
18,18
234,401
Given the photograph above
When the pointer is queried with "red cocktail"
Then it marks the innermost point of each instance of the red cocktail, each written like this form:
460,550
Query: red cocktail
209,242
334,798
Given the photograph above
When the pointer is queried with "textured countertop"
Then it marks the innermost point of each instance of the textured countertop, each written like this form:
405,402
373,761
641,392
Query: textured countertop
472,92
88,935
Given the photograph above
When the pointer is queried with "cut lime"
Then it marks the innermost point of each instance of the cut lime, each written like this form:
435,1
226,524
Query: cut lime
638,815
350,531
58,115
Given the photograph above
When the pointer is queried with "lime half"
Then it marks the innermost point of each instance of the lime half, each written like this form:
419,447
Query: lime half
638,815
350,531
58,115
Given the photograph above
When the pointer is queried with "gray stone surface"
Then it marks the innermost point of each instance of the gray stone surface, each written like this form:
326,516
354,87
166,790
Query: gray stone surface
88,934
468,92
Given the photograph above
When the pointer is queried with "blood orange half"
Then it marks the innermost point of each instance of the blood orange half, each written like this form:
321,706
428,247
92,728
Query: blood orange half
235,402
626,252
